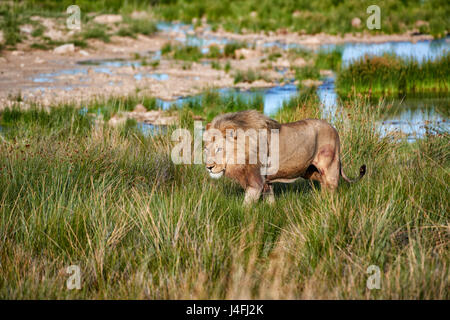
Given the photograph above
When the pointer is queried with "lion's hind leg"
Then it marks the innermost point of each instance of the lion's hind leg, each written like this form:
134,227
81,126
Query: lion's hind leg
327,165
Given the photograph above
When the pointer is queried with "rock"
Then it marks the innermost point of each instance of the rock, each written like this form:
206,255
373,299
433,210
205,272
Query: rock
116,120
140,108
326,73
38,60
138,15
54,34
356,22
26,28
84,53
253,14
282,31
420,23
299,63
247,53
312,41
64,49
311,83
108,18
296,14
199,118
1,36
17,53
165,121
282,63
141,114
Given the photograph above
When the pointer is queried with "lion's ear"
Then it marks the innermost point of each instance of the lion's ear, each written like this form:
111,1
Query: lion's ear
230,133
208,126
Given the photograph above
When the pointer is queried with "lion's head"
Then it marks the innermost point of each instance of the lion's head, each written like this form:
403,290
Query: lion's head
215,158
222,144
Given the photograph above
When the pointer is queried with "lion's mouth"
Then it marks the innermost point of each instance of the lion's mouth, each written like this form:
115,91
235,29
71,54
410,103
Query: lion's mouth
216,175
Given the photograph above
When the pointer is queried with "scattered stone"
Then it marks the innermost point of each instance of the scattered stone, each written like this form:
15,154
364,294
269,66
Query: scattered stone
199,118
1,36
310,83
140,108
155,117
116,121
299,63
282,63
420,23
26,28
356,22
282,31
84,53
253,14
38,60
296,14
108,19
254,84
17,53
247,53
326,73
139,15
64,49
54,34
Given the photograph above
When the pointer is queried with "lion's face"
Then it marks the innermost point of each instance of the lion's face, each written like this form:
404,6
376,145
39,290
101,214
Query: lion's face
215,159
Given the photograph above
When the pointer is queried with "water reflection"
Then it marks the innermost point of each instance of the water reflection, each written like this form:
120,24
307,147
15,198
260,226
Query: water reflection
419,51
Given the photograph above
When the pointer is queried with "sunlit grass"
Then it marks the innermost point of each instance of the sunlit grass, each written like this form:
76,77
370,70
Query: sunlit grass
75,192
392,74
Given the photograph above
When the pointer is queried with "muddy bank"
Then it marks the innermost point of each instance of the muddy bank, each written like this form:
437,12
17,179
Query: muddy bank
64,74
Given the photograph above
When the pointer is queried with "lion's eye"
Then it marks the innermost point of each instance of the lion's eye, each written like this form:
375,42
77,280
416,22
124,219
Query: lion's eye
218,149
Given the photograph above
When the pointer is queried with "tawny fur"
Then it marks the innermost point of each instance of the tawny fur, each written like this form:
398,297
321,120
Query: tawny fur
308,149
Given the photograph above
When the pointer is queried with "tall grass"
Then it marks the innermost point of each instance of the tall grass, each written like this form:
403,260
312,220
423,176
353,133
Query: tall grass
392,74
329,59
212,103
310,17
73,193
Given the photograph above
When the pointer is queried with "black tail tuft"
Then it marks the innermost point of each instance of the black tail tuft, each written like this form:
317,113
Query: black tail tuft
362,172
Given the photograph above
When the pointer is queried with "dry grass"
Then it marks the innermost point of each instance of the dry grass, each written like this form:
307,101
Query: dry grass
140,227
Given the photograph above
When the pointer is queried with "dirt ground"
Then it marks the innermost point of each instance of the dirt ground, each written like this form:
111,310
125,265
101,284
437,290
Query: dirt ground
54,76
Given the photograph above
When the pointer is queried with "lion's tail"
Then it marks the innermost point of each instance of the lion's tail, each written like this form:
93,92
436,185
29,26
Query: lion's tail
362,172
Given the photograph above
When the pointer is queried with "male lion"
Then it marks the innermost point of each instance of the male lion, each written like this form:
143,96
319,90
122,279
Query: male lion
308,148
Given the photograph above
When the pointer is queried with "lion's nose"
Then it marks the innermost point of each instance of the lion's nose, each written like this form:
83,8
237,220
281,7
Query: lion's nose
209,167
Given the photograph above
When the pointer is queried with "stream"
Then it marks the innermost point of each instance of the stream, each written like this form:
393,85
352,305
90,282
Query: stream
410,115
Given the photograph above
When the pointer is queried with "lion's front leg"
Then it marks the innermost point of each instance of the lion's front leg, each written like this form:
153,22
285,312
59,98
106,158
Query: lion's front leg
254,185
252,194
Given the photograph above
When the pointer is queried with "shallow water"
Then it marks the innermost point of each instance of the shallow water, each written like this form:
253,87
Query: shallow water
157,76
419,51
148,129
411,117
415,116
